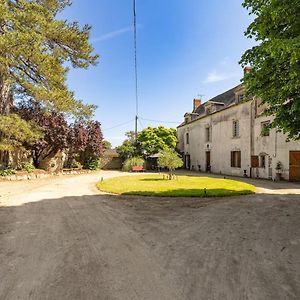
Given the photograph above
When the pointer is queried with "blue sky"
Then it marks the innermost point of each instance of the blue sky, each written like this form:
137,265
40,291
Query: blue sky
185,49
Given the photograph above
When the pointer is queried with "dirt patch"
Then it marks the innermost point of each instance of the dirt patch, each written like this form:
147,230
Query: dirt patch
61,240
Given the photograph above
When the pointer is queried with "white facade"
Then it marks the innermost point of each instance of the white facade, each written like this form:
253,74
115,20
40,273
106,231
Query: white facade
229,141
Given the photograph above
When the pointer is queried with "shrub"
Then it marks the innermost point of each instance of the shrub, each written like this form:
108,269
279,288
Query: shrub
132,162
93,163
28,166
7,172
76,164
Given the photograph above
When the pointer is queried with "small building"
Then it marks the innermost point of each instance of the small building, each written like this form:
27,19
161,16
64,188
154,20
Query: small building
111,160
229,135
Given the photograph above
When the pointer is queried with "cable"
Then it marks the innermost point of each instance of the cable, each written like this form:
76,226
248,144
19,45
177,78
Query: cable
141,124
119,125
160,121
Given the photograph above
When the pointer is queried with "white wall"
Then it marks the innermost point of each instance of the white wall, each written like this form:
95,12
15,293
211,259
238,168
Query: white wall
274,146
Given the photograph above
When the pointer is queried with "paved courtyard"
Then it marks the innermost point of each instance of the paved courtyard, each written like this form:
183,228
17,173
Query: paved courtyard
61,239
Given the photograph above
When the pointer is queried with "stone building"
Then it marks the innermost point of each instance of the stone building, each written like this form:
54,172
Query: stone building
228,135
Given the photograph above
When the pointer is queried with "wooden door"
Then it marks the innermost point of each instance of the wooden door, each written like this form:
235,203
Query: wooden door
208,161
294,166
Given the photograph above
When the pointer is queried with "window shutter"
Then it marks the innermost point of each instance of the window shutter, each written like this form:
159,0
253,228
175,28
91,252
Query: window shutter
239,157
254,161
232,158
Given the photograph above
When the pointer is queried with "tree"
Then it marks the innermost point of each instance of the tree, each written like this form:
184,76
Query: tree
169,159
154,139
126,150
35,46
94,146
107,145
275,62
85,142
129,148
14,133
53,125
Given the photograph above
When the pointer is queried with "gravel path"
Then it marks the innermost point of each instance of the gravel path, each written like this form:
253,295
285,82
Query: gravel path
60,239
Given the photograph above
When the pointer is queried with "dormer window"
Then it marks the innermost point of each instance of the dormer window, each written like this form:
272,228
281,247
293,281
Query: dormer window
241,98
187,118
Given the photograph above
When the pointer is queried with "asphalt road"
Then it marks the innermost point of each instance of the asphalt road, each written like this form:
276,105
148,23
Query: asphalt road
60,239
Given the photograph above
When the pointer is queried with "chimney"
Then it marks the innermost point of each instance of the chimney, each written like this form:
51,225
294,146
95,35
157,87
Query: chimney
247,70
196,104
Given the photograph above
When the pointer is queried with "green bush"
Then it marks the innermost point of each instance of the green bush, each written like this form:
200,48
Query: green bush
7,172
76,165
132,162
28,166
93,163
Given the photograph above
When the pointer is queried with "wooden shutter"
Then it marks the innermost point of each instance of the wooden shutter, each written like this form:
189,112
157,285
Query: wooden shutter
254,161
239,159
232,159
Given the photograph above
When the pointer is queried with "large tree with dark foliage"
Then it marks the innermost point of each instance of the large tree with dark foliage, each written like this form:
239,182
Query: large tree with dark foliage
82,140
53,126
85,141
275,77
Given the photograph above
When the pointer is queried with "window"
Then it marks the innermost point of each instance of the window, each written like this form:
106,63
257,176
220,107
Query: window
262,161
235,159
235,129
265,130
241,97
187,138
208,110
208,134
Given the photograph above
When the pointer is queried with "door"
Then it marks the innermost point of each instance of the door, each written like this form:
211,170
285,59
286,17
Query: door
294,166
187,161
208,167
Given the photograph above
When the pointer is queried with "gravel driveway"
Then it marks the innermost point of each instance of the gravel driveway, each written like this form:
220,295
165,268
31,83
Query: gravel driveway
60,239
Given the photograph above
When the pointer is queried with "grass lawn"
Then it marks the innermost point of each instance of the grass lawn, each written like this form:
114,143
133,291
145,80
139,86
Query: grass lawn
182,186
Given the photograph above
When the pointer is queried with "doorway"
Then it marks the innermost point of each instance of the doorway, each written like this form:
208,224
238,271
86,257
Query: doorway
187,161
294,166
208,166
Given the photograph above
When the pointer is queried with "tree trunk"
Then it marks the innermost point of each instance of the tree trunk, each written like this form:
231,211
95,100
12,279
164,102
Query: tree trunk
6,101
6,98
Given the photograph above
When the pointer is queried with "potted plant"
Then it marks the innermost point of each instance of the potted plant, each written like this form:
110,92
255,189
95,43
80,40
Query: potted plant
278,169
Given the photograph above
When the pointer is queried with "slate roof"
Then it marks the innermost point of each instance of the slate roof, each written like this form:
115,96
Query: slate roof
227,98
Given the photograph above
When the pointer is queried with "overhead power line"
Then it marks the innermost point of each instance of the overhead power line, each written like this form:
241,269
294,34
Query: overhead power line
160,121
119,125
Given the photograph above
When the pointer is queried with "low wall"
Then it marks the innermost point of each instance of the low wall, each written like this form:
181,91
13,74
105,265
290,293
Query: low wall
34,176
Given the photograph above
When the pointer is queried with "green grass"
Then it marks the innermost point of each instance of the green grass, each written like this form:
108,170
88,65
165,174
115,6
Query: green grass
182,186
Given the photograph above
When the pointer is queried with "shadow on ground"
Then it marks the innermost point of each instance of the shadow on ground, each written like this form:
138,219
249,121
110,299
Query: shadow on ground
125,247
201,193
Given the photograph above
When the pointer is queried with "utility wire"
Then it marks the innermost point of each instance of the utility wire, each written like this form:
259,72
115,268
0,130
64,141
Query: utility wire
160,121
141,124
119,125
